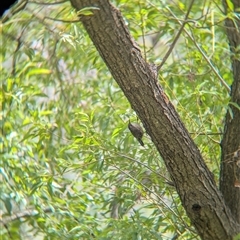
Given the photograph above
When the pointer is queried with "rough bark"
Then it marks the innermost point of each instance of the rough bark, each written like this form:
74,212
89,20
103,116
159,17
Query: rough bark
230,164
200,197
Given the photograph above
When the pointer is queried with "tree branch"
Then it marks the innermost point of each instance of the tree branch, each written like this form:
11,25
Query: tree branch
176,38
203,54
230,171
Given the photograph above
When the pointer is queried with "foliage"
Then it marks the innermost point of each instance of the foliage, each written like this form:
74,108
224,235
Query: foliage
70,168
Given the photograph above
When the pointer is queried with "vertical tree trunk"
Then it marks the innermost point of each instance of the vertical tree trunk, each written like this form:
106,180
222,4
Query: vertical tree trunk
230,167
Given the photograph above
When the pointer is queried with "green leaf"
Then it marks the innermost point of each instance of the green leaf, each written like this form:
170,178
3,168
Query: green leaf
8,205
235,105
230,5
38,71
87,11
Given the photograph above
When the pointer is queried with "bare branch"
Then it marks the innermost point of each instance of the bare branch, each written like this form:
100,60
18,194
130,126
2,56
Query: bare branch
176,38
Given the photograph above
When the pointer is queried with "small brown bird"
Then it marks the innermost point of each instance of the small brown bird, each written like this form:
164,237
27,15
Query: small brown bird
136,131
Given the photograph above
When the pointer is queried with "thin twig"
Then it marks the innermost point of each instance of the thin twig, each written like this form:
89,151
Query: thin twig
48,3
23,214
143,32
62,20
176,38
145,165
206,133
203,54
145,187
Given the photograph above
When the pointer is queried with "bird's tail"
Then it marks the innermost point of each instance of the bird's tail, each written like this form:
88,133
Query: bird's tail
141,142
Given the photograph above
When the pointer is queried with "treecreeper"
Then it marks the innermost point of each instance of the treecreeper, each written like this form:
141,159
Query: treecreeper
136,131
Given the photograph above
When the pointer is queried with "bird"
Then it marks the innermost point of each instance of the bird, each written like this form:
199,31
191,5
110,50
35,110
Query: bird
136,131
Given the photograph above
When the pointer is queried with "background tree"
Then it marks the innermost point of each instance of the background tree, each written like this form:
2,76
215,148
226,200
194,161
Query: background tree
70,167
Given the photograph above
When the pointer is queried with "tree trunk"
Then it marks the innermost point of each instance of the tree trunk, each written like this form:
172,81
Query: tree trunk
195,185
230,165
